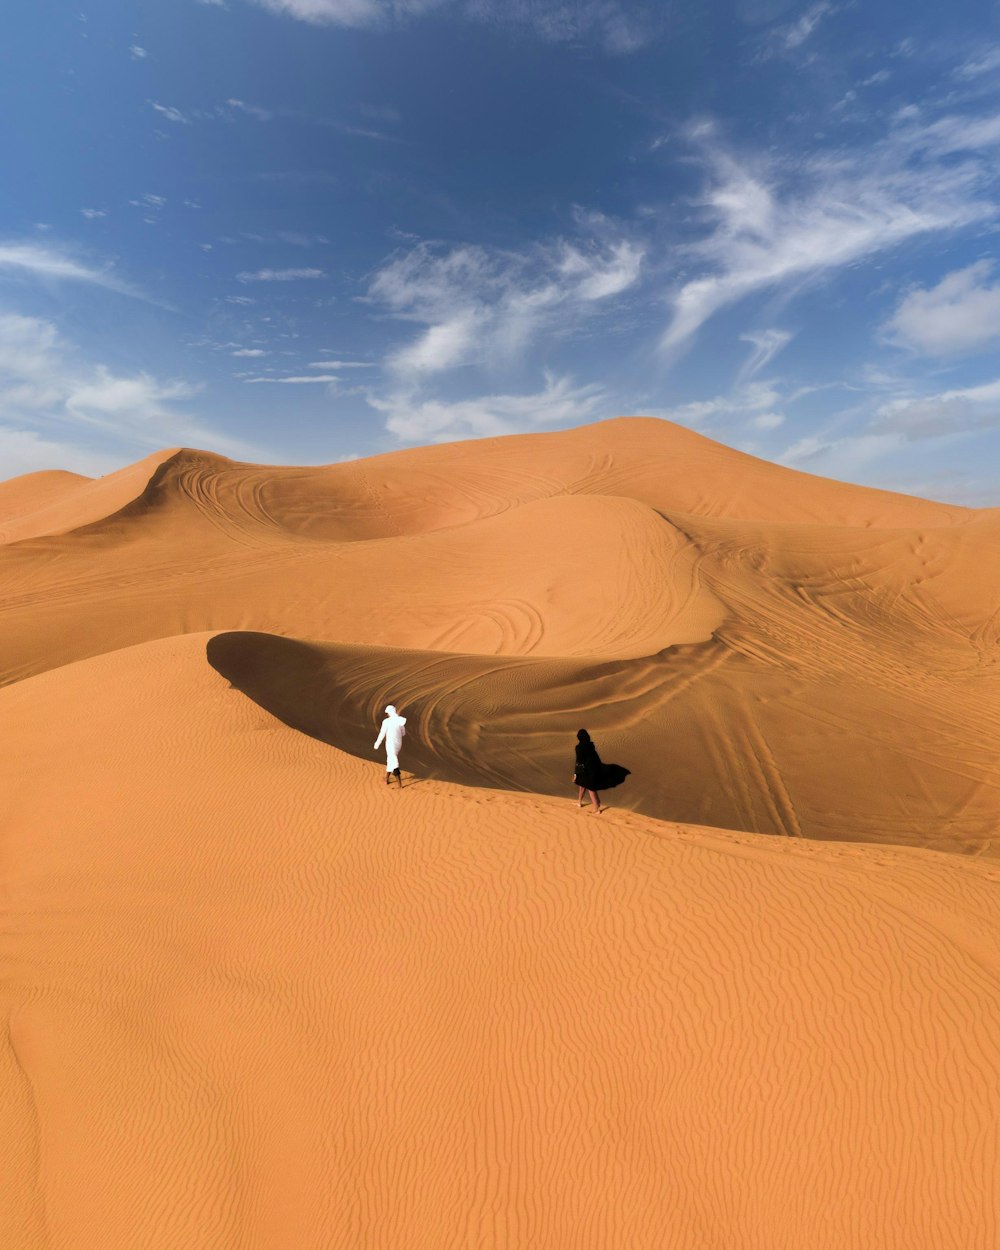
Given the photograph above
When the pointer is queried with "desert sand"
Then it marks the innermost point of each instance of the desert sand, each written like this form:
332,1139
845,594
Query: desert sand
255,998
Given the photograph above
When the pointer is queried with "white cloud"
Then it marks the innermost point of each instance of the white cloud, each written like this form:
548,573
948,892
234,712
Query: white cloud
280,275
330,12
598,278
954,133
149,201
170,113
27,451
242,300
340,364
768,421
959,315
962,410
485,305
772,226
252,110
49,395
749,399
620,27
249,351
841,458
793,36
984,62
303,380
442,346
48,262
137,53
138,398
92,214
766,344
439,421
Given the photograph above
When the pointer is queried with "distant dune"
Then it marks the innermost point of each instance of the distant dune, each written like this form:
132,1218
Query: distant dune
257,1000
766,650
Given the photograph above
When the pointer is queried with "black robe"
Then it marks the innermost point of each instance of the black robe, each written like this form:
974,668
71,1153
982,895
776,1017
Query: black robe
591,771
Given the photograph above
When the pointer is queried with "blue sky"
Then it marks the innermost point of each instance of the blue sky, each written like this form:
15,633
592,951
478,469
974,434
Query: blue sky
298,231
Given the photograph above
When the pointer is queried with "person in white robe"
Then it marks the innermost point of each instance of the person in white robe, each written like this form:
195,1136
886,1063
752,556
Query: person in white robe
392,733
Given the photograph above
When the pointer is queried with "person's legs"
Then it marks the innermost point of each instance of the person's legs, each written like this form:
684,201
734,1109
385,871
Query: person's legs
579,797
396,773
595,801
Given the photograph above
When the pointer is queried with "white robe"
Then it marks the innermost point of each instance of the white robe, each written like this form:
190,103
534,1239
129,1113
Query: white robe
392,732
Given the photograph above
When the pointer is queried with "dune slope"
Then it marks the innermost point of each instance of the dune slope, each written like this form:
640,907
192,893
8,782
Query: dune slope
256,999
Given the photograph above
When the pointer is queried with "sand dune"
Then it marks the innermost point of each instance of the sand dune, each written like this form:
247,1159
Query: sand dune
256,999
58,503
765,650
20,495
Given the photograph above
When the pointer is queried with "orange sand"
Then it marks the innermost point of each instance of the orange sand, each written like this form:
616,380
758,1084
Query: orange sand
257,1000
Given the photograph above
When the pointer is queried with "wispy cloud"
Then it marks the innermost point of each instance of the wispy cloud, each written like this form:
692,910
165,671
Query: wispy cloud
485,305
794,35
92,214
959,315
137,53
767,421
52,399
233,108
280,275
340,364
745,403
252,110
881,432
845,458
49,263
298,380
773,224
170,113
962,410
559,403
619,26
766,345
985,61
249,351
151,206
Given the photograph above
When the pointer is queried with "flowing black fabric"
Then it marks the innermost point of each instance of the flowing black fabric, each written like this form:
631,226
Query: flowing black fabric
591,771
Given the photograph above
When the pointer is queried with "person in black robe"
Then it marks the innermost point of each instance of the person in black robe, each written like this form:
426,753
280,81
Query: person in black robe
592,774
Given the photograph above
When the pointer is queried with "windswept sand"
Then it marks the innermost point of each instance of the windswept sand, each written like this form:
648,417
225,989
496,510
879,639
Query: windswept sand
258,1001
